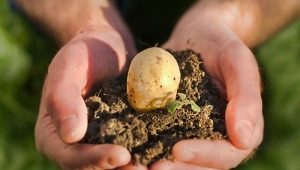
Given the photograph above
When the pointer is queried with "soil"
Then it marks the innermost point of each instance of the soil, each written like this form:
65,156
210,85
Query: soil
150,136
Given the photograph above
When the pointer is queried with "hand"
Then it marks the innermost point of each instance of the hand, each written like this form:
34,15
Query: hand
232,66
90,57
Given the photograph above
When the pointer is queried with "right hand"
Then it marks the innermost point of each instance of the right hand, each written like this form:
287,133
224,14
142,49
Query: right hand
209,28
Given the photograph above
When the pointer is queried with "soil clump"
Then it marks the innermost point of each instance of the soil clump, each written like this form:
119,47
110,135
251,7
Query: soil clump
150,136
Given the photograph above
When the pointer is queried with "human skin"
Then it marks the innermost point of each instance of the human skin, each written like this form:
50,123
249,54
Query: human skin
223,32
96,47
95,44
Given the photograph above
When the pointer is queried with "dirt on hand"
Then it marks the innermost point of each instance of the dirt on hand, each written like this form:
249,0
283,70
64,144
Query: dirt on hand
149,136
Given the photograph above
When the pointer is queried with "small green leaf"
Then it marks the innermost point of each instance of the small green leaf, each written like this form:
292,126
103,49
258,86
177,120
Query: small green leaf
185,102
173,106
181,96
195,107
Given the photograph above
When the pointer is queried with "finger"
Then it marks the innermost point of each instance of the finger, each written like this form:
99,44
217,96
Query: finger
77,156
66,79
232,64
69,113
77,66
131,166
176,165
105,156
218,154
242,81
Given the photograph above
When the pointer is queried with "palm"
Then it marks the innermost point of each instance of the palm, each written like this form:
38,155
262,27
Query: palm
84,61
234,69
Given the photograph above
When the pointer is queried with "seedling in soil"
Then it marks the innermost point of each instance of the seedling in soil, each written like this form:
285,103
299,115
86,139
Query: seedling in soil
182,101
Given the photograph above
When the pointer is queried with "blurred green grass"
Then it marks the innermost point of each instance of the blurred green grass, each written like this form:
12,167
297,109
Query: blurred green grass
25,55
279,59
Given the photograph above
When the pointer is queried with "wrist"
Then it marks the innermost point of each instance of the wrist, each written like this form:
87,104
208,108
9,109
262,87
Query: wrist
89,18
65,19
241,17
253,21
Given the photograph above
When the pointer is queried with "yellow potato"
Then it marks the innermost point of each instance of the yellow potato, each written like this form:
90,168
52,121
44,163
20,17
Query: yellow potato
153,79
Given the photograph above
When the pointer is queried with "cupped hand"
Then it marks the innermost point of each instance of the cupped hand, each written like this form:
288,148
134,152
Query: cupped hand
90,57
214,32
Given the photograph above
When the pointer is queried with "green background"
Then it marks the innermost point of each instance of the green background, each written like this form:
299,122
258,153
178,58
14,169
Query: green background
25,54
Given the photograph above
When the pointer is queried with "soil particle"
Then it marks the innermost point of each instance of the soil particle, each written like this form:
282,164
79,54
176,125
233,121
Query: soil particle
149,136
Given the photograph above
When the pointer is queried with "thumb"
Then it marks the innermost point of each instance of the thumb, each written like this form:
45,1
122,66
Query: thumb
242,81
68,112
232,65
63,87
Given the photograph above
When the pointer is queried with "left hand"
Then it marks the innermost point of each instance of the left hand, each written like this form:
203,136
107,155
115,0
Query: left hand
90,57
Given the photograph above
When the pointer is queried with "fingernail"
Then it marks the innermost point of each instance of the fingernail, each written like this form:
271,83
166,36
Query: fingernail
245,130
67,128
111,162
186,155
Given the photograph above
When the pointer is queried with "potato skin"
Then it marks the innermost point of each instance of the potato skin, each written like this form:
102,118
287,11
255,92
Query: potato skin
153,79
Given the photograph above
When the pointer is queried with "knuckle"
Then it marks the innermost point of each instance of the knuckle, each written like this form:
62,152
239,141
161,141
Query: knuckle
235,57
234,49
51,105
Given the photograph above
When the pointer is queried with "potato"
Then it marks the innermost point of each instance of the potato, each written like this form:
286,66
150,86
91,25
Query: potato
153,79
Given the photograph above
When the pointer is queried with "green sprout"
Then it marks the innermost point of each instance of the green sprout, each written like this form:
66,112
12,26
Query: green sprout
177,104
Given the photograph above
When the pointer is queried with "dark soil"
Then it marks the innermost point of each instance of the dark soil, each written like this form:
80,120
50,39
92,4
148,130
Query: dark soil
150,136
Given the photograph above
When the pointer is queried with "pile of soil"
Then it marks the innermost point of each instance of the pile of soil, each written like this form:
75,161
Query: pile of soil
150,136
